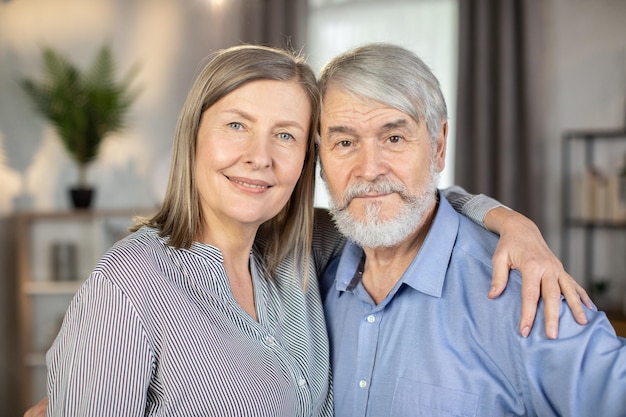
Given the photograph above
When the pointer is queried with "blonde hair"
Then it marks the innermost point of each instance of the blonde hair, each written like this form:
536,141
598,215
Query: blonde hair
180,216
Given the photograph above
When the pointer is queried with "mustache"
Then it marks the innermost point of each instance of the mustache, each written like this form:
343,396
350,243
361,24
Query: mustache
378,186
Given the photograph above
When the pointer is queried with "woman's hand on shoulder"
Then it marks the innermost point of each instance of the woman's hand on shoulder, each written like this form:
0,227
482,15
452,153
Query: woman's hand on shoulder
522,247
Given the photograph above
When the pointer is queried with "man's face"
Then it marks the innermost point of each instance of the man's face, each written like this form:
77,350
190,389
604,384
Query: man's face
380,168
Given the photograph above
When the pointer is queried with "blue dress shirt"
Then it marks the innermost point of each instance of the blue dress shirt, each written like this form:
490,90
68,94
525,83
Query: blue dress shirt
437,346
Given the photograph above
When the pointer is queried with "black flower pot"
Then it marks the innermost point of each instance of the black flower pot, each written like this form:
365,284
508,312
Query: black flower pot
82,197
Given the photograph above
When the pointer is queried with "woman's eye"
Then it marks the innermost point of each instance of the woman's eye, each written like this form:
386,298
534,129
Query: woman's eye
285,136
235,125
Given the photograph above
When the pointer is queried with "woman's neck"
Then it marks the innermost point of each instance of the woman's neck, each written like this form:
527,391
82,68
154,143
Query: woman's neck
235,245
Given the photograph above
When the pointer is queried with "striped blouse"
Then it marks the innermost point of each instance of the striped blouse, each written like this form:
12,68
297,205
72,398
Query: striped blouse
155,331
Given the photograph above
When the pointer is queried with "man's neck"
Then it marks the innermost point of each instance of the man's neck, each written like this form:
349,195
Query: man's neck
384,266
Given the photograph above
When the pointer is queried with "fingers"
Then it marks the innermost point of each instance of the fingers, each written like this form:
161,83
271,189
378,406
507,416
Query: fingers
575,296
500,275
551,293
584,297
38,410
530,298
522,247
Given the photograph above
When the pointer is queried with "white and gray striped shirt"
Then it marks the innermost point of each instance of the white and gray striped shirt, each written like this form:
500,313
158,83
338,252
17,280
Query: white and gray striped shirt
155,331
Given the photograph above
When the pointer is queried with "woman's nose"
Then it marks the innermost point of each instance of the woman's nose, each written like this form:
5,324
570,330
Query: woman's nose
259,154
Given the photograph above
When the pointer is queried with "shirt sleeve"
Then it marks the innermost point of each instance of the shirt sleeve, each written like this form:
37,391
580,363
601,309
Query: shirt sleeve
582,373
327,241
100,363
472,206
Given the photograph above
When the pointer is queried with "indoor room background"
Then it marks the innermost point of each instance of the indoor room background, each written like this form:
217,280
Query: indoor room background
575,70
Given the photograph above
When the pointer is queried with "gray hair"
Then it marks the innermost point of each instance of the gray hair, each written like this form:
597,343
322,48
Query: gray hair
390,75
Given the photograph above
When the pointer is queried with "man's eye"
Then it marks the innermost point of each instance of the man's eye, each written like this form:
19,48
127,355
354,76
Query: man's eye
394,139
344,143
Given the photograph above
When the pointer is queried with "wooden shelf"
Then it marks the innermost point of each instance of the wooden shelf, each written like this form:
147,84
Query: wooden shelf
83,214
51,288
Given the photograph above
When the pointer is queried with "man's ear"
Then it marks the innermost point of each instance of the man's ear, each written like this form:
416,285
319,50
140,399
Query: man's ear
440,148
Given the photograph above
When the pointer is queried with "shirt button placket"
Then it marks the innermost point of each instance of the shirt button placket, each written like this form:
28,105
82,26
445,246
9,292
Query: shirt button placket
304,393
368,340
270,341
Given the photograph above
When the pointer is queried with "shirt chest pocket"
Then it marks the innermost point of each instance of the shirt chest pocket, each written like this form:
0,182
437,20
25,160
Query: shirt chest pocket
417,399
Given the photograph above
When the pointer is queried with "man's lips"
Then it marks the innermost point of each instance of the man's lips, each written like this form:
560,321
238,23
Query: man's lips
372,196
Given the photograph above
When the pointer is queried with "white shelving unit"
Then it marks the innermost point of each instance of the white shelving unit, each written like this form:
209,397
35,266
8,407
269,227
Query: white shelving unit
42,300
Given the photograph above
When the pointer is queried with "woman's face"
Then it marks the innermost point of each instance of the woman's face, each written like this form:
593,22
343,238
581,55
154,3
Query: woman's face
250,152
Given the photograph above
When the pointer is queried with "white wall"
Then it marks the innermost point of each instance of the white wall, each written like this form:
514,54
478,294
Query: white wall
167,38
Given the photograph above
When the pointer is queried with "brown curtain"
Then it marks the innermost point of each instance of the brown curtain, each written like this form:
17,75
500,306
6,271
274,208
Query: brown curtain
498,148
279,23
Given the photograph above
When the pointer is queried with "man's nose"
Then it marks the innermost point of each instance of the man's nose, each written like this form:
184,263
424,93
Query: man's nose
372,162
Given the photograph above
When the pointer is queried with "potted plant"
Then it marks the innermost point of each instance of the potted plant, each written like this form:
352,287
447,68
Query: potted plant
83,106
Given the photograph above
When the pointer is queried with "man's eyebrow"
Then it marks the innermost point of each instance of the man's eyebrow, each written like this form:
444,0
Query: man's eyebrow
395,124
340,129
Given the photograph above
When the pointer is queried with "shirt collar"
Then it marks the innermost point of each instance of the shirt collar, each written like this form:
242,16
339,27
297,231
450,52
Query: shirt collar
427,271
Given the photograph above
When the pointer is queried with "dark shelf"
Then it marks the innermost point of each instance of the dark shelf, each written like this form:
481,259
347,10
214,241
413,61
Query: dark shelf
595,224
587,139
595,134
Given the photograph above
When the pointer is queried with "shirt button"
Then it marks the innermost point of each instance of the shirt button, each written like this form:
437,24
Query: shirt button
363,383
371,318
270,341
301,382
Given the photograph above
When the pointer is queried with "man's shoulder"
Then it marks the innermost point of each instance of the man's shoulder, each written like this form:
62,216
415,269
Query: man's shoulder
471,238
474,248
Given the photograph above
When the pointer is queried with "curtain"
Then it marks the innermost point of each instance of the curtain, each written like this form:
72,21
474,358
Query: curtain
278,23
498,148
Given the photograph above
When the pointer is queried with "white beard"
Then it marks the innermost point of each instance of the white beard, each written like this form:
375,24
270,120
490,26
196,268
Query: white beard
373,232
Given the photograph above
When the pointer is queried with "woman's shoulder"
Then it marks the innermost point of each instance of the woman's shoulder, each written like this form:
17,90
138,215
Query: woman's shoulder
144,236
132,252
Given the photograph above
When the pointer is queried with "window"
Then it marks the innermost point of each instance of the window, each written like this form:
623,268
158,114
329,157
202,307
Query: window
427,27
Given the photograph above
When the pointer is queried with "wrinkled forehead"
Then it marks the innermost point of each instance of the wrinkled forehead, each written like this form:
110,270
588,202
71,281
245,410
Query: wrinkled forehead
341,105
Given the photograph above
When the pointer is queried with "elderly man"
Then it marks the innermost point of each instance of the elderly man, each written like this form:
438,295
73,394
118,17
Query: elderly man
410,333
